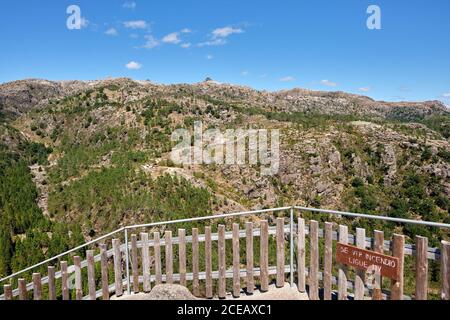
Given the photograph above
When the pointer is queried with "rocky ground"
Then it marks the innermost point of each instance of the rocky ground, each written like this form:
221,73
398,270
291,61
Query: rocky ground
177,292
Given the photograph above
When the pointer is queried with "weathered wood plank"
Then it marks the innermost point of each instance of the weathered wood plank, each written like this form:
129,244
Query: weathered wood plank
104,271
378,246
421,268
78,279
445,269
169,257
64,281
301,252
51,283
236,262
37,286
342,280
91,274
147,286
398,251
7,291
222,262
195,263
134,263
182,255
314,261
359,273
264,256
157,252
328,261
249,257
23,294
118,285
208,263
280,252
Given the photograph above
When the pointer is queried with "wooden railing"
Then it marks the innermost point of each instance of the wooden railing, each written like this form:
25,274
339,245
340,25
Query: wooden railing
146,260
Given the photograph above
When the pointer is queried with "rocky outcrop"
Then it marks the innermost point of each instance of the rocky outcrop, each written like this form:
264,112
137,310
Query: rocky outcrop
163,292
390,161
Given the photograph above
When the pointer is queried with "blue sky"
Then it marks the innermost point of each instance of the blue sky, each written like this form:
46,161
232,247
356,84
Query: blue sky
320,44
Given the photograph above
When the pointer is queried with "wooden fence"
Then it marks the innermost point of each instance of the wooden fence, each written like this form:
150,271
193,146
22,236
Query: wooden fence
314,268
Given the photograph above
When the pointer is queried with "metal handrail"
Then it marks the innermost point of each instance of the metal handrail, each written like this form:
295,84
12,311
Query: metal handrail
62,254
384,218
218,216
291,208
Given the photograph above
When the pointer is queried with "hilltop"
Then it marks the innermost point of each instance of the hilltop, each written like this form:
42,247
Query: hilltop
20,96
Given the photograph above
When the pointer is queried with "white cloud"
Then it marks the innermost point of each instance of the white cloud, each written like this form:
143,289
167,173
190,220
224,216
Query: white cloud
173,37
328,83
225,32
446,95
186,30
151,42
287,79
185,45
133,65
215,42
129,5
136,24
111,32
84,22
364,89
244,73
209,56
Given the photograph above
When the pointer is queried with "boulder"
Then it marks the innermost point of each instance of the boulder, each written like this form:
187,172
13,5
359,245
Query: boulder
162,292
170,292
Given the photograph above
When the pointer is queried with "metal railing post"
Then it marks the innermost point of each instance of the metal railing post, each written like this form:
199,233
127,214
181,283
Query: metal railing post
291,247
127,262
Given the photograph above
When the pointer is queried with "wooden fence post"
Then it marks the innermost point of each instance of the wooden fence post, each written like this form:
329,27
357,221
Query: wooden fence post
195,267
264,256
91,274
78,280
342,280
147,286
328,262
64,281
208,263
51,283
249,257
236,262
37,286
157,251
117,267
301,274
134,263
378,246
280,253
23,294
182,255
360,273
314,261
222,262
398,251
7,290
169,257
445,269
421,268
104,271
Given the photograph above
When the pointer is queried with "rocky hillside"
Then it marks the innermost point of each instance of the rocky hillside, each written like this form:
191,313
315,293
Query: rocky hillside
103,150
